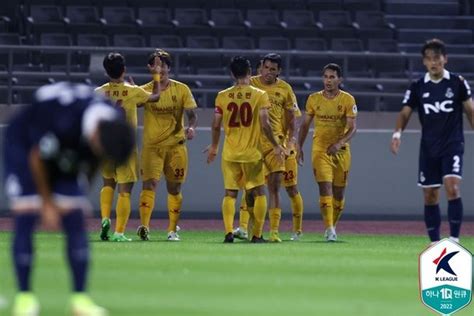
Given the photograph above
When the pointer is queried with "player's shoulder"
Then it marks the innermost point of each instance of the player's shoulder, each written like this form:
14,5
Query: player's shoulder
253,79
178,84
147,86
456,77
316,95
284,84
225,91
346,95
103,87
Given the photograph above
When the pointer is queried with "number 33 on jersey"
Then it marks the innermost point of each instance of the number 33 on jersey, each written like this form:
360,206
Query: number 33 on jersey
240,107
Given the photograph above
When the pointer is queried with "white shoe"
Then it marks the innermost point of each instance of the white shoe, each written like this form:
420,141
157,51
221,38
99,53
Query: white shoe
26,304
240,233
173,236
296,236
330,234
455,239
82,305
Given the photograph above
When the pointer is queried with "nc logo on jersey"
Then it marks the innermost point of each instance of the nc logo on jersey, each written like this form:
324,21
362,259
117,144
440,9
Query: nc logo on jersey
438,107
449,93
446,277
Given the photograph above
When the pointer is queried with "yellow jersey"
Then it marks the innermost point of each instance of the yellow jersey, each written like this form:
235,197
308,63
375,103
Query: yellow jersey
240,108
126,96
330,117
164,120
282,98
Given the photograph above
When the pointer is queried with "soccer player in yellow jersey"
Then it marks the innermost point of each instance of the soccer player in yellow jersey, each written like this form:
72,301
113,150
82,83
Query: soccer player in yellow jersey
243,110
334,112
283,106
164,149
128,97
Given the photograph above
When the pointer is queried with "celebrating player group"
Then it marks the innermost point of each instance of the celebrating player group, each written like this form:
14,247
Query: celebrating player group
264,134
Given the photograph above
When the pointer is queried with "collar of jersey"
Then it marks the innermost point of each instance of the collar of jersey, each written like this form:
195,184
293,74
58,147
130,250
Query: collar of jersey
446,75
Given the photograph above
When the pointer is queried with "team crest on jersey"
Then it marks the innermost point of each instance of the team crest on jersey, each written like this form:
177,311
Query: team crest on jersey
339,108
449,93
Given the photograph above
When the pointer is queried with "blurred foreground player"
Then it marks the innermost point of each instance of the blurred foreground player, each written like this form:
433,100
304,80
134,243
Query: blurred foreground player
440,97
51,148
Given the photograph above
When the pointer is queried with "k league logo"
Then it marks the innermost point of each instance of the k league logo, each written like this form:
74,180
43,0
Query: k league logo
446,277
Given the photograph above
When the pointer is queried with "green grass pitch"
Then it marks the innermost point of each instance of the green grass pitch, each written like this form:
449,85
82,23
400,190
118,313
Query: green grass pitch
361,275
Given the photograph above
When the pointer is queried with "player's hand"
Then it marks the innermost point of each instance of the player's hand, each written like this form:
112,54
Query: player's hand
131,81
280,152
50,216
211,153
299,155
190,132
156,67
395,145
334,148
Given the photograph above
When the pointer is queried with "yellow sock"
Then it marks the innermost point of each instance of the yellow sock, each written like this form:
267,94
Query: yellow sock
275,216
259,212
244,214
297,209
123,212
174,210
228,212
338,208
106,200
325,205
147,203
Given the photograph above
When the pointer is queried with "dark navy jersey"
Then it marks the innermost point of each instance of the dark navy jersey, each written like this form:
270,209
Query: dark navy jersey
54,122
440,111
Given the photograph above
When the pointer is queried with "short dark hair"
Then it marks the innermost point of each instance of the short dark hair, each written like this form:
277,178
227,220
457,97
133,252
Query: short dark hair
114,65
436,45
164,56
333,67
117,140
272,57
240,66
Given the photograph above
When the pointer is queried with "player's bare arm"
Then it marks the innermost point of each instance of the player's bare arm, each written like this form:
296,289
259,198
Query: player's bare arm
155,70
304,129
212,149
192,121
469,110
351,130
49,211
402,121
267,130
290,118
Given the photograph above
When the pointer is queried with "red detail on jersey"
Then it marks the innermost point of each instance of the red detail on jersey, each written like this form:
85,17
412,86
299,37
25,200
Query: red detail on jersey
439,258
218,110
175,211
144,204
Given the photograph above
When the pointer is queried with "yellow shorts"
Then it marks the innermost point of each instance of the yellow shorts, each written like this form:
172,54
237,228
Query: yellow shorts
290,175
238,175
334,168
126,173
171,160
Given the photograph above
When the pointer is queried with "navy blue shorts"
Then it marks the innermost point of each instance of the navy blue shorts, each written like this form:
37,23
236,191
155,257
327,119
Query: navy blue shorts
432,171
